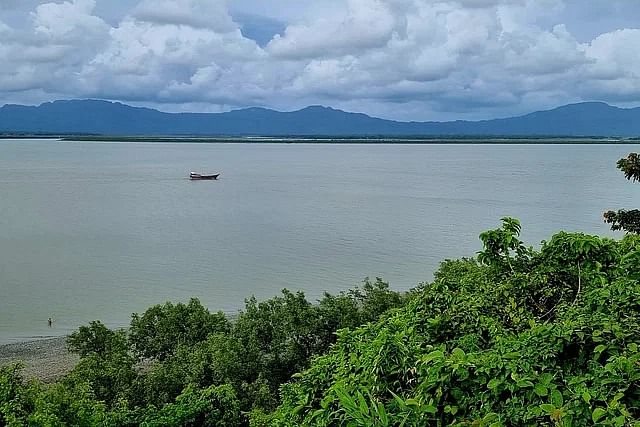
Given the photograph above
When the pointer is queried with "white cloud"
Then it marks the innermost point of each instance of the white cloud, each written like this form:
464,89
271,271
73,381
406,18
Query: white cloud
67,21
210,14
366,24
46,55
408,59
4,28
615,68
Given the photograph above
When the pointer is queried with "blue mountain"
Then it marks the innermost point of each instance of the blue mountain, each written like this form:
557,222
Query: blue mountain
113,118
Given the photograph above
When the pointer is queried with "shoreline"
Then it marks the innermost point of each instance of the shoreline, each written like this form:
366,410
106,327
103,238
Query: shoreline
45,359
542,140
338,140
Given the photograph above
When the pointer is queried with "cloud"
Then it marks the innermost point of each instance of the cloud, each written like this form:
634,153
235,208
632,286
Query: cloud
209,14
405,59
65,22
4,28
364,25
614,72
167,60
59,39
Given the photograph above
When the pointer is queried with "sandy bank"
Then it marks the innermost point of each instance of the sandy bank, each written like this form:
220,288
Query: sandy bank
46,359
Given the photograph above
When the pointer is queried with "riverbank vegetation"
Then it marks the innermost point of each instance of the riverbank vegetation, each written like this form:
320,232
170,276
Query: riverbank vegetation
515,336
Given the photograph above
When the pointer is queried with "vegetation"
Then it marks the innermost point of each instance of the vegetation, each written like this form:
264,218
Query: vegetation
524,337
627,220
180,365
516,336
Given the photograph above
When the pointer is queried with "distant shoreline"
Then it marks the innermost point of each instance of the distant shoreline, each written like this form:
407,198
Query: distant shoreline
427,140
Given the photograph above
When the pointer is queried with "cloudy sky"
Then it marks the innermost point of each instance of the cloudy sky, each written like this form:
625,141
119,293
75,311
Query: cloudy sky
400,59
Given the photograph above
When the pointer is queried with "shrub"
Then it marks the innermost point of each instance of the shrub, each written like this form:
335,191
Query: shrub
163,328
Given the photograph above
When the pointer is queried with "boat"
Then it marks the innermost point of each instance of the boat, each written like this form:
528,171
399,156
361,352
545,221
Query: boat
197,176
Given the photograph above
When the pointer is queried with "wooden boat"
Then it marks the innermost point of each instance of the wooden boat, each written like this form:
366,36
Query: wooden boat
196,176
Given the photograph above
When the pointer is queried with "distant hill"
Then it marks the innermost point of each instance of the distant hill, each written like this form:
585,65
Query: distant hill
113,118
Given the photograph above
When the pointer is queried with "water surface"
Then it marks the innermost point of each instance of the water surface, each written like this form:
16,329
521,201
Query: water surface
101,230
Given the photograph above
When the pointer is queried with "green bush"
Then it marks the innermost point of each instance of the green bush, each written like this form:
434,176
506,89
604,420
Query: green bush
514,337
163,328
97,339
212,406
546,337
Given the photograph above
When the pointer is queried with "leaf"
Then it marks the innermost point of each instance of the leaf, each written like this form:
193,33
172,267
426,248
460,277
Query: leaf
512,355
400,401
458,352
433,355
362,404
548,408
586,396
451,409
524,384
490,417
411,402
597,414
600,348
493,384
540,390
382,413
556,398
430,409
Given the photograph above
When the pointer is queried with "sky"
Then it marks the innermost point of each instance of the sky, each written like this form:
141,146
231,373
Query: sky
398,59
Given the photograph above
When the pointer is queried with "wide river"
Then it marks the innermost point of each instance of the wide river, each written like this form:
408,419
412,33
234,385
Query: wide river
101,230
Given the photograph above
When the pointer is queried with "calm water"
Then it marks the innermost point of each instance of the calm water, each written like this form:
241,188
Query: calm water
98,231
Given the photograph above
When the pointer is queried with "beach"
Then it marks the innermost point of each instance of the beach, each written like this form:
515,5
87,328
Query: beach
46,359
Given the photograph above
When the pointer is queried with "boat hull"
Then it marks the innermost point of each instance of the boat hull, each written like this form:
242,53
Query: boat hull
198,177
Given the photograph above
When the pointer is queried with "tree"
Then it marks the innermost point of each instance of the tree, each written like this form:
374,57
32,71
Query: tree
627,220
162,328
97,338
502,246
105,363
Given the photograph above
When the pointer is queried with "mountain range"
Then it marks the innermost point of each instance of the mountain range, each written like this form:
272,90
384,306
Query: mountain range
113,118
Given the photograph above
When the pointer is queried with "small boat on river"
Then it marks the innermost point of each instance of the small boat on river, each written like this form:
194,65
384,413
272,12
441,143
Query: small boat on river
197,176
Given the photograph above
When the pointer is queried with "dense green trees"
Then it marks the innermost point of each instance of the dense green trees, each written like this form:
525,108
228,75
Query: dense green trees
179,364
546,337
515,336
162,329
627,220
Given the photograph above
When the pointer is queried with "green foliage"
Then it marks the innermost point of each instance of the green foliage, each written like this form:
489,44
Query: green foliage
105,362
273,339
110,377
502,246
58,405
212,406
62,405
630,166
546,337
163,328
626,220
181,365
515,337
96,339
16,401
